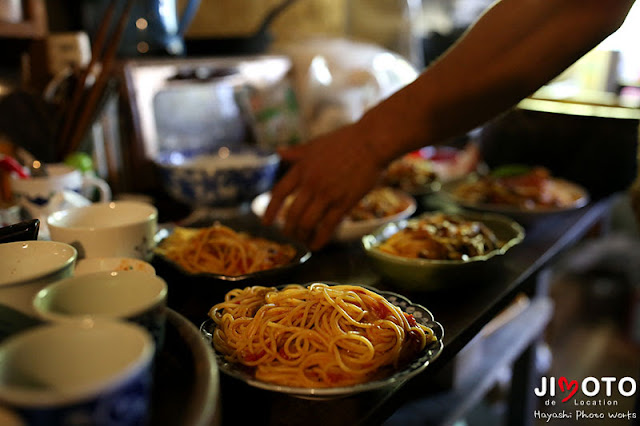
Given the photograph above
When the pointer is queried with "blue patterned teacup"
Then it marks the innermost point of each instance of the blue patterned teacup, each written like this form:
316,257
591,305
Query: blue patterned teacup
78,374
134,296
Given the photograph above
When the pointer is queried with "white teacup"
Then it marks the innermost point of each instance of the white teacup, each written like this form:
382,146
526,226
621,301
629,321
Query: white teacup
125,295
60,189
78,374
112,264
28,266
115,229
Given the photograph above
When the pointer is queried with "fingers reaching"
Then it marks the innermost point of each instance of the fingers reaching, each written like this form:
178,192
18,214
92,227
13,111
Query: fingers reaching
296,212
327,177
279,194
325,228
308,221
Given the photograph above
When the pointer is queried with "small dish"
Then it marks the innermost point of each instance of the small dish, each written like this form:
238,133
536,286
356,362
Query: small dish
423,172
112,264
427,356
302,253
186,383
524,216
412,173
431,274
349,229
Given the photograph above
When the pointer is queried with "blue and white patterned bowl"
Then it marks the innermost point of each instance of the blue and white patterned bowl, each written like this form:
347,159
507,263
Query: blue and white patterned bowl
221,178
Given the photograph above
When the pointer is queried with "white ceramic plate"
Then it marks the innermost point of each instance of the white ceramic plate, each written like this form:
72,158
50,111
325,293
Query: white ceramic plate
522,216
427,356
348,230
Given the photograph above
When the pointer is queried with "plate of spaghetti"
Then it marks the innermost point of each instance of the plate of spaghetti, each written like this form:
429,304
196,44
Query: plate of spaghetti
321,340
222,252
381,205
438,250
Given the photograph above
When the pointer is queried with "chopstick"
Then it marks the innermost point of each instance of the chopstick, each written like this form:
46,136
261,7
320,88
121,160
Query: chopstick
84,103
76,97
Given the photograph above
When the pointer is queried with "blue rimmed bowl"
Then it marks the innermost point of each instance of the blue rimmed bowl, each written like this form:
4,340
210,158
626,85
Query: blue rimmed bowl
222,178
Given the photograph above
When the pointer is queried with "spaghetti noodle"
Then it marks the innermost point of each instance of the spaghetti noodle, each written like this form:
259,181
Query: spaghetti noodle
221,250
316,336
443,237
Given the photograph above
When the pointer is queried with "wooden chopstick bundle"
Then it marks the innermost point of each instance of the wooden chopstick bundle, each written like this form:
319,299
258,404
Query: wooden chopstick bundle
77,94
84,103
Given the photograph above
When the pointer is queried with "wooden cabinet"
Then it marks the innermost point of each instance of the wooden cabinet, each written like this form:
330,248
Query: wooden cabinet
34,26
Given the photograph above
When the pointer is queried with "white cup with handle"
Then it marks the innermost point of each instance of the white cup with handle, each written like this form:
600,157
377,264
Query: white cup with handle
60,189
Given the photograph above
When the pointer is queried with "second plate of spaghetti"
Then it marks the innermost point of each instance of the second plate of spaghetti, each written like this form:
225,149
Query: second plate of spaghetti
321,340
225,252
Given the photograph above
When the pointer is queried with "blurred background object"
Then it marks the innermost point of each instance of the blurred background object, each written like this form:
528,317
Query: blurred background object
336,79
255,42
157,27
392,24
11,11
243,18
596,149
10,213
68,50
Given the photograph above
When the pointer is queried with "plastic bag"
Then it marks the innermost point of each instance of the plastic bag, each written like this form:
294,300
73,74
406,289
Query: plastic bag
336,80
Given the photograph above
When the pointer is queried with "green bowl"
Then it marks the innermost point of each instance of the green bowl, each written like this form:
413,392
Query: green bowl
429,274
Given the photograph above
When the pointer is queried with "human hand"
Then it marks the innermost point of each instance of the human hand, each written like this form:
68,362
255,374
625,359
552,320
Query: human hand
328,176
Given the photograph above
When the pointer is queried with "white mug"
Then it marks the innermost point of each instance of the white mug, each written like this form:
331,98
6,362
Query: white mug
115,229
60,189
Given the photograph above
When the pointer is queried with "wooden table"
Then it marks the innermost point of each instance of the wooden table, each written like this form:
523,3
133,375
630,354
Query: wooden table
463,313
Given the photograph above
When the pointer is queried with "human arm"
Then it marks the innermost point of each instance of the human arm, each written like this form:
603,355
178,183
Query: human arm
515,47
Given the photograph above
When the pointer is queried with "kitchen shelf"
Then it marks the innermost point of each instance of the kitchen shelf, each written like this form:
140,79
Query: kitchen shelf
35,25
